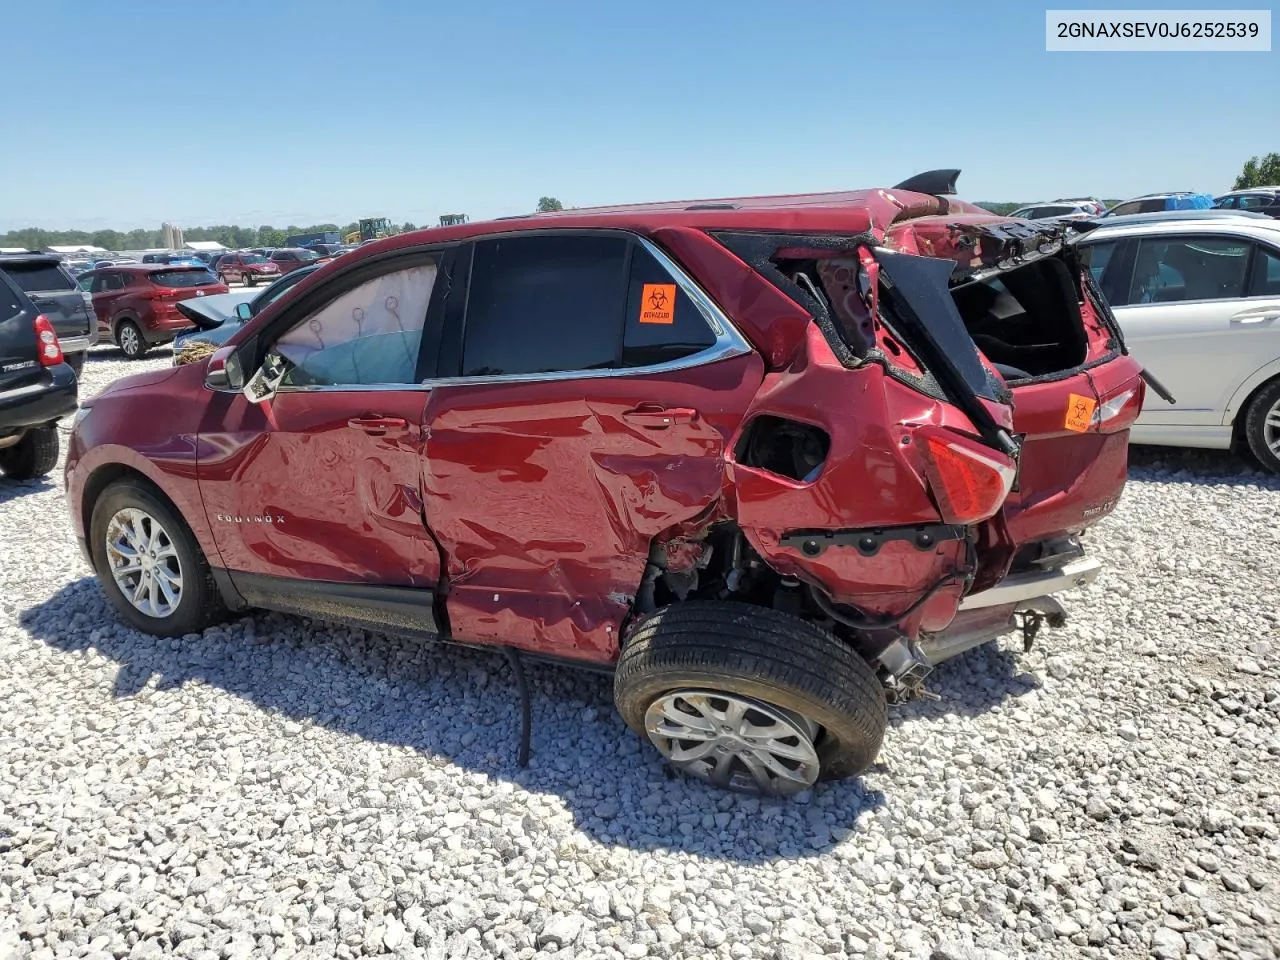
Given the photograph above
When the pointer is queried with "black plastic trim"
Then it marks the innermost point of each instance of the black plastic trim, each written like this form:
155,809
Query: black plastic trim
394,609
813,543
42,402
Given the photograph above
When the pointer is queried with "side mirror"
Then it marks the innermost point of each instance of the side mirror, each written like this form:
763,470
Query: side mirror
224,371
262,385
244,311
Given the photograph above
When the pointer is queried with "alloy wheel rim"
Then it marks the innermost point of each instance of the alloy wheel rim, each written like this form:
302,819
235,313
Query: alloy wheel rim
144,562
734,742
1271,428
129,340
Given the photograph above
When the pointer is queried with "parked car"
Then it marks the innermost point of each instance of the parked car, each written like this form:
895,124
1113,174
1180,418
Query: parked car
53,291
1054,211
1155,202
175,259
37,386
741,453
1199,303
136,304
219,316
1091,205
1264,200
247,268
289,259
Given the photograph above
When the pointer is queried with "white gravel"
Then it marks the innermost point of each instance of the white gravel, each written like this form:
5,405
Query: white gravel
286,789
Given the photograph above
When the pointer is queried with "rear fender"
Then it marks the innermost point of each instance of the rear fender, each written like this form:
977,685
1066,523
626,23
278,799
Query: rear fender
1247,389
873,477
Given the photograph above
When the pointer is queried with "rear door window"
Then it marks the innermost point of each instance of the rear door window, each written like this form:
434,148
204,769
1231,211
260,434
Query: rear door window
545,304
37,277
1175,269
1096,256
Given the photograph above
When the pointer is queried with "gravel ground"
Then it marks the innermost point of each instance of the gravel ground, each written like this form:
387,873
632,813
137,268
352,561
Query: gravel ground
287,789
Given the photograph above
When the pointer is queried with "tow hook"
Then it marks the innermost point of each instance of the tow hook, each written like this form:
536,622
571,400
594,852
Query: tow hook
1035,613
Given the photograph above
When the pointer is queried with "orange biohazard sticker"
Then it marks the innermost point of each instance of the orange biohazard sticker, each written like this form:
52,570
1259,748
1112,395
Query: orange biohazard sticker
1079,412
658,303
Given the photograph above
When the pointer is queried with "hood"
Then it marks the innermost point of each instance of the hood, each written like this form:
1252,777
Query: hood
211,311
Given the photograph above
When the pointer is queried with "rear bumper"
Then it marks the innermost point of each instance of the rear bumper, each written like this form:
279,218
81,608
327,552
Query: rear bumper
1039,583
40,403
78,344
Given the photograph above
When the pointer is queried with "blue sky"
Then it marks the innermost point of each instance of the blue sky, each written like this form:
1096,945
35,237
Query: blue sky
303,112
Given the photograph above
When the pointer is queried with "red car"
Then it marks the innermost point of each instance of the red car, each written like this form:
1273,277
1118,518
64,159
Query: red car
289,259
247,268
746,454
135,302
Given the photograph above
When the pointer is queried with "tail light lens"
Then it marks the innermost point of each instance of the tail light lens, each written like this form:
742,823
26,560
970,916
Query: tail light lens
1118,411
47,339
969,481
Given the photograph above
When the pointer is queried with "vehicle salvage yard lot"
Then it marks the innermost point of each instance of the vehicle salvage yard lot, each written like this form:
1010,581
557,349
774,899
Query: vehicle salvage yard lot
278,787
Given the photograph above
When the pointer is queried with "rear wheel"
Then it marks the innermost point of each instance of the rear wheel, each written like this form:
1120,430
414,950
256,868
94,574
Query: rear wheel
222,279
1262,426
35,455
749,698
130,339
149,564
76,362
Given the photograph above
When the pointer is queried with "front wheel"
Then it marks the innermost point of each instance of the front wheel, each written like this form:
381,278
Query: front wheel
35,455
248,279
149,563
131,341
1262,426
749,698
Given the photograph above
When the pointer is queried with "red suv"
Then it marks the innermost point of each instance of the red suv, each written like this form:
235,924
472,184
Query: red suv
135,303
768,460
292,258
247,268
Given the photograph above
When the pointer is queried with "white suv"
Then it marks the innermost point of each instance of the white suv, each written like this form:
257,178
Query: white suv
1198,300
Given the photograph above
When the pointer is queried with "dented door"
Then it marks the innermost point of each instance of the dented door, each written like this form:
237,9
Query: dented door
544,497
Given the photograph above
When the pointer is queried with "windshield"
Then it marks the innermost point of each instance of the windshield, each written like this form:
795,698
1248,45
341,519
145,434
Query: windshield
308,255
183,278
253,258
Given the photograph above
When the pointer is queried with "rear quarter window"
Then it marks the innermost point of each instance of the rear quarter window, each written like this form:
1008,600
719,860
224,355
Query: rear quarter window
10,306
39,277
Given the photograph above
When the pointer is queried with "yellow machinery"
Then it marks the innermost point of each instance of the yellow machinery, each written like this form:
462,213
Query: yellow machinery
371,228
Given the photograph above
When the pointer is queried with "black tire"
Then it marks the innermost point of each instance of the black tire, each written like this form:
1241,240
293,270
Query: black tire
35,455
247,279
134,347
76,362
222,279
200,603
765,655
1267,401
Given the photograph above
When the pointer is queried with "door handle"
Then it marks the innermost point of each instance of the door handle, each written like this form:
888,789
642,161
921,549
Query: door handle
379,426
1258,317
657,417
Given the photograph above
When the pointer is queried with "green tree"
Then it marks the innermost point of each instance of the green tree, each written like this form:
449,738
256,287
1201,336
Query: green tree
549,205
1259,172
407,226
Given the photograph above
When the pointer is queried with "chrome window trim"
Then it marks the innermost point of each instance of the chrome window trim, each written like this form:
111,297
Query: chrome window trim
729,343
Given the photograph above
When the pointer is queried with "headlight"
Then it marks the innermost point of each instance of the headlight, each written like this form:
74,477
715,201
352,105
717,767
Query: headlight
80,415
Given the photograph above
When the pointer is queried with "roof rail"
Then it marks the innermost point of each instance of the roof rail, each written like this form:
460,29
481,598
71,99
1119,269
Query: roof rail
934,182
713,206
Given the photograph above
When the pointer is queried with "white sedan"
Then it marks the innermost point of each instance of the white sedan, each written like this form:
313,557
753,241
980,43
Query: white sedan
1199,303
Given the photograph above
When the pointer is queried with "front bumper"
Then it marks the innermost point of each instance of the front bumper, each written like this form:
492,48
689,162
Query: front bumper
1038,583
40,403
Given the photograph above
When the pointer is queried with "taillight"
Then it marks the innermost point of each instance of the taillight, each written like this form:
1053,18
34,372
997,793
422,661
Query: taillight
1119,411
970,482
50,349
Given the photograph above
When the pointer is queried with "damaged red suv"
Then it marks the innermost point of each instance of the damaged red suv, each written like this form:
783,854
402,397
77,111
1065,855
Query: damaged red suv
767,460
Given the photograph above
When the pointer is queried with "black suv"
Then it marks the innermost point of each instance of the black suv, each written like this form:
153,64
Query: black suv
54,292
37,384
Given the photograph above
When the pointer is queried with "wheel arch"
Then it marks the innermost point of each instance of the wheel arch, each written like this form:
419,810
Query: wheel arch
1238,408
